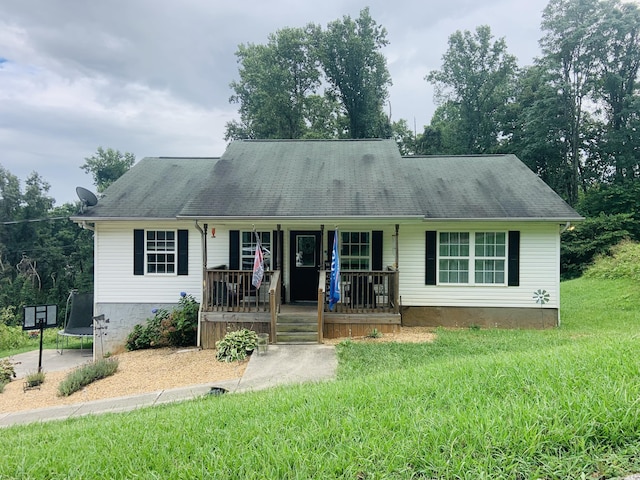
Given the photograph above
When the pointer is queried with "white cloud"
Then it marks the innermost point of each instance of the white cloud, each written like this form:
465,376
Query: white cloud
153,77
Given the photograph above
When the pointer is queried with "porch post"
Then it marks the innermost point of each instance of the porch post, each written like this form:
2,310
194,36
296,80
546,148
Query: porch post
397,259
322,258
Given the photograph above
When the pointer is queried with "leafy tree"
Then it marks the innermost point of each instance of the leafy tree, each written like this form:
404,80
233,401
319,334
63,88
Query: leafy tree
618,55
404,137
429,142
535,128
349,52
473,87
106,166
42,254
275,83
570,46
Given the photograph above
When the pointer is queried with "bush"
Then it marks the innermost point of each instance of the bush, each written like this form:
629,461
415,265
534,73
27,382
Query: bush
595,236
236,345
34,379
177,328
7,372
623,262
87,374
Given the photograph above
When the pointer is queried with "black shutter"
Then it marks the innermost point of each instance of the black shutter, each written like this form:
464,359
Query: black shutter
376,250
234,250
513,279
138,252
430,270
183,252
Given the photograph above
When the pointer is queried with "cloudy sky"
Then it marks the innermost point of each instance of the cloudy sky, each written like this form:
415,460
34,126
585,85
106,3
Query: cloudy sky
152,77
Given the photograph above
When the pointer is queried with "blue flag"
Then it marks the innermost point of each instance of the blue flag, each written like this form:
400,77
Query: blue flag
334,285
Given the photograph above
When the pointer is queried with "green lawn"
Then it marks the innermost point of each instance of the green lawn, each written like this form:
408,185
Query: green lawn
475,404
13,340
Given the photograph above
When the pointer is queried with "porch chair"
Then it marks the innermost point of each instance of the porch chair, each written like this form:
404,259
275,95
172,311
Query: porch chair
78,320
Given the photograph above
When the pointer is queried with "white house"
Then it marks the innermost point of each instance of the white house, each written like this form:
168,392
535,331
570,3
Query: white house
424,240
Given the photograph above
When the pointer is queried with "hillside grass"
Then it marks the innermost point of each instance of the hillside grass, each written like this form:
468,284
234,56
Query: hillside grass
474,404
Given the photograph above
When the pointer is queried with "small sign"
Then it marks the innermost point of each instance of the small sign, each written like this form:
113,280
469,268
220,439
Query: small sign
37,317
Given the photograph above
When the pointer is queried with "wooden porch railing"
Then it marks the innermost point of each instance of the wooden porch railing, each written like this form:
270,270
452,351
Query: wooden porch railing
366,292
231,291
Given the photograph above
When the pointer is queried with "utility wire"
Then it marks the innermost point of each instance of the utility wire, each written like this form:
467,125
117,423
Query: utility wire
34,220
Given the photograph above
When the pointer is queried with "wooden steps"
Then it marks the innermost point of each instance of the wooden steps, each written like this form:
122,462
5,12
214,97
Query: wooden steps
296,328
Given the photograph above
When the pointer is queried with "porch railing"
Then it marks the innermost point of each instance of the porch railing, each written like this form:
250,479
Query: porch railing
232,291
366,292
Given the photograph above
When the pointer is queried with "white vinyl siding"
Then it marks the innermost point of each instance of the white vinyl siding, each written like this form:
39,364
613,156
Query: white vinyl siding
539,267
113,276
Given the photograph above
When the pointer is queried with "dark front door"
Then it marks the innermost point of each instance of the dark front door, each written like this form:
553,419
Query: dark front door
304,260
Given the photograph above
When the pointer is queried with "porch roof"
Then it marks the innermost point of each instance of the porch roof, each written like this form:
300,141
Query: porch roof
327,179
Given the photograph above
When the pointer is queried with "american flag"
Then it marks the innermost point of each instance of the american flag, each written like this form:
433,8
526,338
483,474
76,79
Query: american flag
258,265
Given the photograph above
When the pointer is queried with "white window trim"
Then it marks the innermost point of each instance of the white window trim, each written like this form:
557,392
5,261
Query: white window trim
472,259
369,258
148,252
266,248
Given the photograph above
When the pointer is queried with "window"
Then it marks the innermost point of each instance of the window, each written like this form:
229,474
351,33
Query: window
355,250
478,258
490,255
454,257
160,251
248,249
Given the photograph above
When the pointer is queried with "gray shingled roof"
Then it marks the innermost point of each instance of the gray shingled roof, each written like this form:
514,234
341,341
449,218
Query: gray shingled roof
152,188
330,178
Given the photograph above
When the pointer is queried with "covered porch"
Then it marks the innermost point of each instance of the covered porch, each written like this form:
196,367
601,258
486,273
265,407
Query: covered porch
369,301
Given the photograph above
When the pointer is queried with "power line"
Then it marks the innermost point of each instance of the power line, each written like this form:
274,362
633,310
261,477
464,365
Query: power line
34,220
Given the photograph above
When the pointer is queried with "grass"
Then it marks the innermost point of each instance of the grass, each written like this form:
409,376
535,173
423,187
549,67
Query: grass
14,341
474,404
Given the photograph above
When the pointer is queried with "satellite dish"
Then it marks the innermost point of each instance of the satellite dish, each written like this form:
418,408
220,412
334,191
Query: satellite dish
87,198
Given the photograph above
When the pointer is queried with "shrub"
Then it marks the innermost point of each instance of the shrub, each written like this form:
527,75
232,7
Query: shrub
34,379
8,316
375,333
175,328
147,335
7,372
87,374
623,262
236,345
595,236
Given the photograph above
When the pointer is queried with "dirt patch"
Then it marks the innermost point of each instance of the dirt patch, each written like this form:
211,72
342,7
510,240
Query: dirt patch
403,335
141,371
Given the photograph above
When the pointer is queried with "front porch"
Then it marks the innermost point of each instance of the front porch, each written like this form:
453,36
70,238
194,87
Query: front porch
369,300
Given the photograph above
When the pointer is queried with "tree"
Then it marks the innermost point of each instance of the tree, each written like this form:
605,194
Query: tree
474,85
618,55
106,166
349,52
42,254
569,48
535,128
276,81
